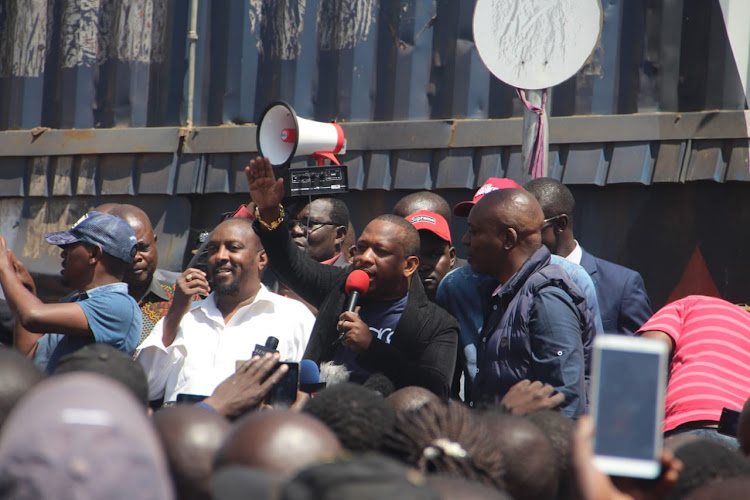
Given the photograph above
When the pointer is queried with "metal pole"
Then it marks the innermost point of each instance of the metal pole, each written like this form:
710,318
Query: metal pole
192,41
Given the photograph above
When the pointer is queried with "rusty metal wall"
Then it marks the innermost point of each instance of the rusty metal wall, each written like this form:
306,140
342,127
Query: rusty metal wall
122,63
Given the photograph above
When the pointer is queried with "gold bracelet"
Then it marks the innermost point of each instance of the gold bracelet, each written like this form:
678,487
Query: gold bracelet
273,225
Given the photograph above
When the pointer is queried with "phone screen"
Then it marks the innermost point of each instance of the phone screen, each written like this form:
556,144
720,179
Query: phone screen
284,394
628,409
627,404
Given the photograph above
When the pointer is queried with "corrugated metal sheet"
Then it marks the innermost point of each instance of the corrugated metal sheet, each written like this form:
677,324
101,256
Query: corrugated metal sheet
105,63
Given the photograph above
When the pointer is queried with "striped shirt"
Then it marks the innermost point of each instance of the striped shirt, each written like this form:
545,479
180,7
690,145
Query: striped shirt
710,366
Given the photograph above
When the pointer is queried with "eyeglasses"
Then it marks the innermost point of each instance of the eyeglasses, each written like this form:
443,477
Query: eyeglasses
308,225
548,222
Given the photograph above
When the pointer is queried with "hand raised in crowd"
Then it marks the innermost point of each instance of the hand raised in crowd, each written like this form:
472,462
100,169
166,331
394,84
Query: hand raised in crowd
23,274
357,335
248,386
265,190
527,397
595,485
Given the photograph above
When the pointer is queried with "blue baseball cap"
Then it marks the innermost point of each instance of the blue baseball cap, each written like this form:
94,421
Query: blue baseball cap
110,233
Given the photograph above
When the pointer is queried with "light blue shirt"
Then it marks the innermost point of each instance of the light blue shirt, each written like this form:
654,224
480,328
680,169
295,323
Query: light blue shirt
113,316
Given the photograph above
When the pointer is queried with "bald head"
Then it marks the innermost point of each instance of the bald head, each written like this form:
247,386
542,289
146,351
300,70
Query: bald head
18,374
410,398
191,437
278,441
514,208
422,200
533,472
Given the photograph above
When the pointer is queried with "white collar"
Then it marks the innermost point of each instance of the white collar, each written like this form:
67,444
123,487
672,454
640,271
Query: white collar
576,254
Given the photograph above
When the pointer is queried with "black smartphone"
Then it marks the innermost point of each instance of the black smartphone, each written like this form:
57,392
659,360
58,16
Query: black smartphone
190,398
628,385
728,422
284,394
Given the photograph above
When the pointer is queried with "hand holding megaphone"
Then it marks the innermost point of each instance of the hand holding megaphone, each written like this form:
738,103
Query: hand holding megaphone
265,190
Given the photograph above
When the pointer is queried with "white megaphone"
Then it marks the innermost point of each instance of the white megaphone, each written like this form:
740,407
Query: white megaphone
282,135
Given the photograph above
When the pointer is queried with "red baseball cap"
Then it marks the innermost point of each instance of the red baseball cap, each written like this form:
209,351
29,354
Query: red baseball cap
424,219
492,184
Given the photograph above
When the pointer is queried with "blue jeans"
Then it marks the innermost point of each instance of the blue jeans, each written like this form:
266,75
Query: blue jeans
708,433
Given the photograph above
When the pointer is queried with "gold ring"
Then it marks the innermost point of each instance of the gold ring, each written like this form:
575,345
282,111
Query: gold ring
188,277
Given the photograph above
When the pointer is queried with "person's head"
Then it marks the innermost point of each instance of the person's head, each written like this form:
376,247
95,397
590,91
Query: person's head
108,361
388,251
278,441
97,244
558,204
18,374
320,227
235,259
449,488
358,416
704,461
445,438
559,431
503,232
84,435
191,437
146,259
492,184
423,200
532,472
436,252
725,489
411,398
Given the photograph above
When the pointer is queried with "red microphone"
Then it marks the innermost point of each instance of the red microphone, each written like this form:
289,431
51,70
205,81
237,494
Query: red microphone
357,284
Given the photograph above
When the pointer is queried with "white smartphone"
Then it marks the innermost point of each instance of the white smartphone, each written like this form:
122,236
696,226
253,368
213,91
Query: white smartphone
629,377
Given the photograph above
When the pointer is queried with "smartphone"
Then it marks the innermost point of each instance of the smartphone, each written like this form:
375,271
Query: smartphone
728,422
284,394
629,376
190,398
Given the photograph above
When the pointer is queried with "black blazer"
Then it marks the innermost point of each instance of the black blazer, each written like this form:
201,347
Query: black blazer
424,345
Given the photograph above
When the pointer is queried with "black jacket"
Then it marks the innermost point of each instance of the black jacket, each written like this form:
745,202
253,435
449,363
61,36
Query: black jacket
424,345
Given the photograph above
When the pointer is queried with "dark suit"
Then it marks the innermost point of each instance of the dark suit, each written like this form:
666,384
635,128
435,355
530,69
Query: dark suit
623,301
425,342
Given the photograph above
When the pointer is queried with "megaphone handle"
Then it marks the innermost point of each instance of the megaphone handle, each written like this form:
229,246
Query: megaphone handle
322,156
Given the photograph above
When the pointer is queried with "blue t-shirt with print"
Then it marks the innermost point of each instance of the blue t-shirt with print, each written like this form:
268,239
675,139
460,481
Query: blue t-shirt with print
113,316
381,318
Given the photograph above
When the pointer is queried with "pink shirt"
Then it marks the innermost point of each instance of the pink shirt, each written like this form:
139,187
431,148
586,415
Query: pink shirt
710,366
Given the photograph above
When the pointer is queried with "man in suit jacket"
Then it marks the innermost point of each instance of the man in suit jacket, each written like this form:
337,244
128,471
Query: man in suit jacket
623,301
396,330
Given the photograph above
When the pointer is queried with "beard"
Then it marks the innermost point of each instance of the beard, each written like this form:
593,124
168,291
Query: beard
229,285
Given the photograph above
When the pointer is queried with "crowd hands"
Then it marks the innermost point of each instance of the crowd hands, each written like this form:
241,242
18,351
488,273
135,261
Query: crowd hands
403,405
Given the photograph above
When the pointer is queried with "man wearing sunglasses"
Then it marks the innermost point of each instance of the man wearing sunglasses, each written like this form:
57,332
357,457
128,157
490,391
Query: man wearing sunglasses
319,230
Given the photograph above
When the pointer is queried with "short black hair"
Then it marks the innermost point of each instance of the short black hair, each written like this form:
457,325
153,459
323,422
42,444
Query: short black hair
423,200
358,416
410,243
705,460
554,197
339,212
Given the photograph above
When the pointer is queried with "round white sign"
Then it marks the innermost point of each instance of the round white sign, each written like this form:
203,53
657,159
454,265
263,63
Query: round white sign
536,44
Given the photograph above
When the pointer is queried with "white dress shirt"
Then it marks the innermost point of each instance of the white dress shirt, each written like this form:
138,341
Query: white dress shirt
576,254
206,350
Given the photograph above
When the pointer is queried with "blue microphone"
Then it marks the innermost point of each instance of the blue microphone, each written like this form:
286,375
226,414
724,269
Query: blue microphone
309,377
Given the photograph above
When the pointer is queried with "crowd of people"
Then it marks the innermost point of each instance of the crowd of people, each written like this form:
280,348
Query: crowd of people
443,378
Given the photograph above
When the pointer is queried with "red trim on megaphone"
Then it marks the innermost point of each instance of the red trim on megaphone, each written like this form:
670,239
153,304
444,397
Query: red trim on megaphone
339,139
322,156
288,135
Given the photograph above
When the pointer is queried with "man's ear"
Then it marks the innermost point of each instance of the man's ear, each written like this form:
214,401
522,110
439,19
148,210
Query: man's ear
95,254
340,236
511,238
561,223
411,266
262,259
452,256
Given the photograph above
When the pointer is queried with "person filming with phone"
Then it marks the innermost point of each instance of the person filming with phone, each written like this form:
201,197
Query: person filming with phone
394,329
200,343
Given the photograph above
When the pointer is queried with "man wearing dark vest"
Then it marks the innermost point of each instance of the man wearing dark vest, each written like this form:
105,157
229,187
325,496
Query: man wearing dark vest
537,322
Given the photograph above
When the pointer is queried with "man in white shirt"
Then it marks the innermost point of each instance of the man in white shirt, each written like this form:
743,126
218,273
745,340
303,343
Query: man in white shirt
198,343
